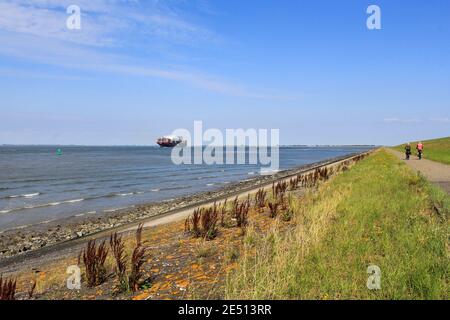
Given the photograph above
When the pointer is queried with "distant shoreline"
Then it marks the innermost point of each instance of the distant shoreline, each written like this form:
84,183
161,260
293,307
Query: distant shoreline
156,146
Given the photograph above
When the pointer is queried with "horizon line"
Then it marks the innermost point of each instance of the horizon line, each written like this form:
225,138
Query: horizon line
143,145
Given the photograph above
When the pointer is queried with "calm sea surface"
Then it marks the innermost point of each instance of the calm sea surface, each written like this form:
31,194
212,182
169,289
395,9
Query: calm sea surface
38,185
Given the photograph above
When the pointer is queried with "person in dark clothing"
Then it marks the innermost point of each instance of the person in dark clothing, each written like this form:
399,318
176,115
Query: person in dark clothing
408,151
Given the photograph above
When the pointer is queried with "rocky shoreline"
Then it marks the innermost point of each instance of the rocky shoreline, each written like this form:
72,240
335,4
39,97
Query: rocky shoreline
14,242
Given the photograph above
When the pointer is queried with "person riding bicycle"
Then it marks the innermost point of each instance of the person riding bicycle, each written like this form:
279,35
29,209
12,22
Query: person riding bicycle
419,148
408,150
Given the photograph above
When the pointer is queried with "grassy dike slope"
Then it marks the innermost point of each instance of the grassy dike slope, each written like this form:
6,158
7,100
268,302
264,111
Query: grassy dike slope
377,213
437,149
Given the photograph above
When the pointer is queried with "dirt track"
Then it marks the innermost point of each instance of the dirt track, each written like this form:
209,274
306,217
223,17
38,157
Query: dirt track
435,172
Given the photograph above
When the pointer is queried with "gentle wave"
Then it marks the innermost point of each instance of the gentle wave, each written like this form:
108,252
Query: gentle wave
170,188
115,209
85,213
175,188
73,201
22,227
61,202
206,177
46,221
51,204
57,203
269,172
26,195
124,194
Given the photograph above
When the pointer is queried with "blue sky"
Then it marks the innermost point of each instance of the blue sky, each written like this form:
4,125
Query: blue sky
140,69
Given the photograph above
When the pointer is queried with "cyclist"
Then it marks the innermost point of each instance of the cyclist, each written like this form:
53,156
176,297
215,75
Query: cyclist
408,150
419,148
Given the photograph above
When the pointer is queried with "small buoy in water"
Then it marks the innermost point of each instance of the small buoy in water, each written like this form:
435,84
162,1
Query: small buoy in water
59,152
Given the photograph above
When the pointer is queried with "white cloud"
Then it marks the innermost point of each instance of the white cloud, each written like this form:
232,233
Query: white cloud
416,120
440,120
27,74
59,53
35,30
103,21
20,18
400,120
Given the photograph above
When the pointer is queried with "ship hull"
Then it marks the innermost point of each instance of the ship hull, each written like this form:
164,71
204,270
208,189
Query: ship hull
167,144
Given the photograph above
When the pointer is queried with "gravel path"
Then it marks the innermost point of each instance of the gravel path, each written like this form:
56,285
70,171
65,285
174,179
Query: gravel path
435,172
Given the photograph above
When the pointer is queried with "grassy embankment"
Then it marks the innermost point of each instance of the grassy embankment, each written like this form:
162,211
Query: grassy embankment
377,213
436,150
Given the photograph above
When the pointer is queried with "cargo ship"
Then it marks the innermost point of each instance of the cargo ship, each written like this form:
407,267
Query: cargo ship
169,141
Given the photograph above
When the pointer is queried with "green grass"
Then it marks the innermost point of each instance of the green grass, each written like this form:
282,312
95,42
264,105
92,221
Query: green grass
437,149
377,213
